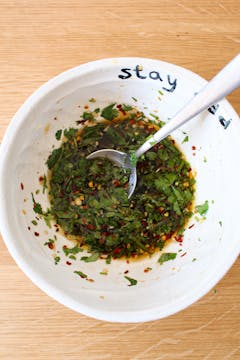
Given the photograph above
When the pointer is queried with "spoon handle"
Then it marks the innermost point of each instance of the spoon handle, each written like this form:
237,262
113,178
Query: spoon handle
221,85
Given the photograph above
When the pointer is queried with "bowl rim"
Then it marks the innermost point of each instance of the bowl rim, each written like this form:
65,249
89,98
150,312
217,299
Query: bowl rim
33,275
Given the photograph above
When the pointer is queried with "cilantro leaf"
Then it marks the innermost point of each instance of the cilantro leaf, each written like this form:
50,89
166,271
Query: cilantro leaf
203,208
131,280
186,139
54,157
81,274
109,112
166,257
70,133
37,208
93,257
58,134
74,250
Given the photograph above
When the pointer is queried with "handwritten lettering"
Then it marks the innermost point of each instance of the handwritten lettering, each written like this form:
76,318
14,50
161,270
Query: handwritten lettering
169,83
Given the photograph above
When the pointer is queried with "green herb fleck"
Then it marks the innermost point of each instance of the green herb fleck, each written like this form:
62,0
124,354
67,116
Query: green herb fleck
73,257
37,208
34,222
81,274
194,259
134,99
166,257
92,100
57,259
131,280
109,112
44,184
160,92
154,116
126,107
88,116
186,139
220,223
93,257
58,134
203,208
74,250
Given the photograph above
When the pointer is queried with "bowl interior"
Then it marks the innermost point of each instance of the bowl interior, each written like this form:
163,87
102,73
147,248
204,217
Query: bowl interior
210,245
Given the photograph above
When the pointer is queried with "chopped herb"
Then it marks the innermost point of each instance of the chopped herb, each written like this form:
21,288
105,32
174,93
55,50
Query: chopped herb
166,257
134,99
220,223
58,134
72,257
205,159
89,199
34,222
81,274
93,257
37,208
57,259
109,112
54,157
202,209
70,133
194,259
186,139
74,250
131,280
126,107
160,92
88,116
154,116
97,110
92,100
44,183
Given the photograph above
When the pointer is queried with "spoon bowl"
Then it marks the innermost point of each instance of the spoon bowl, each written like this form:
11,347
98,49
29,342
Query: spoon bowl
121,159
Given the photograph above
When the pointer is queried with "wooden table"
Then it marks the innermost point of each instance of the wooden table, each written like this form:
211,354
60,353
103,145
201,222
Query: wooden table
38,40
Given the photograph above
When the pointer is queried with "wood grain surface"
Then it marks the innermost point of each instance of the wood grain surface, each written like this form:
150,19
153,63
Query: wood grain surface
38,40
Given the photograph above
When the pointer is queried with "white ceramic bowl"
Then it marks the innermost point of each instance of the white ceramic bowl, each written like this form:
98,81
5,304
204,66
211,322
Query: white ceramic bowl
210,246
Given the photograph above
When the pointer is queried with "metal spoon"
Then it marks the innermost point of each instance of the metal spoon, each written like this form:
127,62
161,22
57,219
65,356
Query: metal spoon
221,85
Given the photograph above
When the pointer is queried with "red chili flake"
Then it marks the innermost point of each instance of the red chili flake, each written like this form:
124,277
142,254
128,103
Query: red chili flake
144,223
179,238
119,107
36,233
85,207
65,247
55,118
126,271
191,226
86,106
147,269
132,122
194,154
183,254
127,261
22,186
116,183
57,230
91,226
116,251
193,147
29,228
68,263
51,245
41,178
